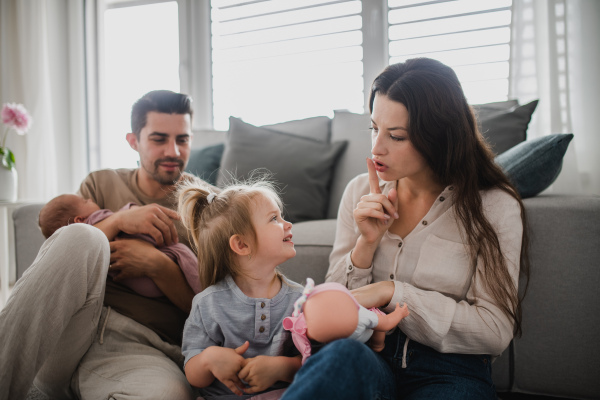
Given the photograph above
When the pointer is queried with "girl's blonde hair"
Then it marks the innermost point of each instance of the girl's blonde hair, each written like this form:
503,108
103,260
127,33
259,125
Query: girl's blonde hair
212,223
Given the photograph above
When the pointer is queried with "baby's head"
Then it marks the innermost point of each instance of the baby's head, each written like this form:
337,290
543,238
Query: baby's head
64,210
243,220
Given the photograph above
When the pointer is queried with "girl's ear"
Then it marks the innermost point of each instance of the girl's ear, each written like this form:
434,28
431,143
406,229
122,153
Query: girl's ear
239,245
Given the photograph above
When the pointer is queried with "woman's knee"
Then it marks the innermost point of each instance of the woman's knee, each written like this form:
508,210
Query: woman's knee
345,354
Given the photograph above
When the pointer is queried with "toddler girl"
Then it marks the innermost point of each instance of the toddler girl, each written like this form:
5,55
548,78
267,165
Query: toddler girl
233,341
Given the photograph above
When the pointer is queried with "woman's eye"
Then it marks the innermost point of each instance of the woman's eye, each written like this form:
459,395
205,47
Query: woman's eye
397,138
373,130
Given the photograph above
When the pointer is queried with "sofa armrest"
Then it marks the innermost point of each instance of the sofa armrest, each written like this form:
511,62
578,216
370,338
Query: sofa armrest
28,236
558,352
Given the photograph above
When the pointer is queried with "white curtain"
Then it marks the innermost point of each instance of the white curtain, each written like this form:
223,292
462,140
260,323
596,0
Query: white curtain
38,49
555,55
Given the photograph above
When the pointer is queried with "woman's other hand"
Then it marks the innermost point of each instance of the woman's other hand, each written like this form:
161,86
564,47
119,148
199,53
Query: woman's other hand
377,294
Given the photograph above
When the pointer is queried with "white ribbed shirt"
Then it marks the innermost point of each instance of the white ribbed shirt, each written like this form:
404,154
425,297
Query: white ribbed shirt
432,272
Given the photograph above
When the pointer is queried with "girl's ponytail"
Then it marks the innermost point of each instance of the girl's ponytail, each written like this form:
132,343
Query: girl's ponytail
193,200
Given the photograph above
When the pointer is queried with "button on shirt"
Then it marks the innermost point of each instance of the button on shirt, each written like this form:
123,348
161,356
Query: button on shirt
432,271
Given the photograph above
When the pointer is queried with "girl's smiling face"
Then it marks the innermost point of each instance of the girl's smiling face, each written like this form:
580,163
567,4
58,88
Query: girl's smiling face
273,233
393,153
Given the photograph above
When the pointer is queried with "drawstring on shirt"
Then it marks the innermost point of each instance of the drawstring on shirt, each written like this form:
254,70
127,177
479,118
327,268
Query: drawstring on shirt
404,352
101,340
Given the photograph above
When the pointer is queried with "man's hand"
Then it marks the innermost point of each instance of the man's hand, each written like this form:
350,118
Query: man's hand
130,258
151,219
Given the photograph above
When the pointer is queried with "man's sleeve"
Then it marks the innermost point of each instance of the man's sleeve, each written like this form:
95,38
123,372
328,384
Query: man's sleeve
88,189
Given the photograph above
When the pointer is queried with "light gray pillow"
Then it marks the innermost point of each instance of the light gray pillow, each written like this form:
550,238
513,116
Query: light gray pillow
505,128
301,167
318,128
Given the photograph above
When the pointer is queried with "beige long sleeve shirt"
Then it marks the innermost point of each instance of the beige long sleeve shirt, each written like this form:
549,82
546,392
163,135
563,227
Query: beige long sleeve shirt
432,272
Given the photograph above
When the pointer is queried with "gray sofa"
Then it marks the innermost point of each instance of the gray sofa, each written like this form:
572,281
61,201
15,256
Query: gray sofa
559,352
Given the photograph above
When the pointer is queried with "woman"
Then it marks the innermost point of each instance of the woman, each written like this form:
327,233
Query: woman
436,224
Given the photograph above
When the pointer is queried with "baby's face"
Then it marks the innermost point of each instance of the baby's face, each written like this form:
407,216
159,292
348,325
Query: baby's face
85,208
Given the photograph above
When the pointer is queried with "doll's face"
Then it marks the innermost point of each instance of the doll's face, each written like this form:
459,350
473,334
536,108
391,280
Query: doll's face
330,315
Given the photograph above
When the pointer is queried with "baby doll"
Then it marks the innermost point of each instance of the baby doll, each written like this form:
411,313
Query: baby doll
329,311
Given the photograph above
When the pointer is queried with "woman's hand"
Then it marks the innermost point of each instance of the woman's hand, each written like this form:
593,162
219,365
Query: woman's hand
374,211
374,295
373,216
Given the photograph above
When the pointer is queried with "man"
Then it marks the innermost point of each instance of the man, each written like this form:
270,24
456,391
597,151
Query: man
82,335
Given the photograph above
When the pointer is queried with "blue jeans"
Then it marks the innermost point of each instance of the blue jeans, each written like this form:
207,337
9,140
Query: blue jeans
346,369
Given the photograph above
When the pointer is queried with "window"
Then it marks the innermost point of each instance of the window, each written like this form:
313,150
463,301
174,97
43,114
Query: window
269,61
471,36
279,60
140,53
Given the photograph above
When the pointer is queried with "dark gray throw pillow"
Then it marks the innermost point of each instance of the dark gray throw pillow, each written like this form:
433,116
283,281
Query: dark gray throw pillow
301,167
205,162
534,165
504,128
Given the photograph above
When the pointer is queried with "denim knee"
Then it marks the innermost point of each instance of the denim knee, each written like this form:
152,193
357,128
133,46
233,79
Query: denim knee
343,369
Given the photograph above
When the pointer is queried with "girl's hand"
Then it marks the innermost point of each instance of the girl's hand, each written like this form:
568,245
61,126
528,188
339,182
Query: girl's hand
374,295
225,364
374,212
261,372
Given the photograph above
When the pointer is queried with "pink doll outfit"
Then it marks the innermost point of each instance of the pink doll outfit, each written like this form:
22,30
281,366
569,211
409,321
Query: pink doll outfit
296,324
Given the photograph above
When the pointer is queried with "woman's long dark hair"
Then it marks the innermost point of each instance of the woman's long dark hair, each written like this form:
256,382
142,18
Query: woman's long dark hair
443,129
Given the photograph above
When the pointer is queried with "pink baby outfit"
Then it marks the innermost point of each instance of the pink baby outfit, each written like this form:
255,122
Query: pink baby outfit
178,252
296,324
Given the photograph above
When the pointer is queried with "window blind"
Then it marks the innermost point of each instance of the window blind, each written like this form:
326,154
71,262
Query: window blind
280,60
471,36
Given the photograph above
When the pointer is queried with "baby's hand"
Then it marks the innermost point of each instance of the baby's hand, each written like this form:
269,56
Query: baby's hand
226,365
260,373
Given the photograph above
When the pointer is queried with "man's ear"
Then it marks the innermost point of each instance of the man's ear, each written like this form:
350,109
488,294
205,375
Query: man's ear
239,245
132,140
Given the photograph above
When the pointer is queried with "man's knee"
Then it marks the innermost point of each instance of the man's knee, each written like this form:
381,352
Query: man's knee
77,233
157,388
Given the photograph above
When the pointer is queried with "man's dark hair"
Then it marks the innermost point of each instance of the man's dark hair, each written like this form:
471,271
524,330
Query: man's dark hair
162,101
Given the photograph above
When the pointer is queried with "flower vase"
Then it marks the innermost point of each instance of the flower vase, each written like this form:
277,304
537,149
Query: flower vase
8,184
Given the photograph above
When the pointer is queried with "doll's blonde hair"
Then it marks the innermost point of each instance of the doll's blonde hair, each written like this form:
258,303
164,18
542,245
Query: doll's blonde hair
211,218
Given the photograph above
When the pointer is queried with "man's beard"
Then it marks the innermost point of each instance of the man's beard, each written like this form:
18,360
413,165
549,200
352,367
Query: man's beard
166,178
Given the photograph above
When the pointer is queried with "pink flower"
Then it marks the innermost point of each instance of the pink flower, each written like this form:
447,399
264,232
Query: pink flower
16,116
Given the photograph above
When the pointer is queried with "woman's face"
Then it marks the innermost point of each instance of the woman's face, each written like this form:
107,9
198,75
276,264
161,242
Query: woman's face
393,153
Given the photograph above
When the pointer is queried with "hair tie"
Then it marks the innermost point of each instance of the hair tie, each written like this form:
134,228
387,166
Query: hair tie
210,197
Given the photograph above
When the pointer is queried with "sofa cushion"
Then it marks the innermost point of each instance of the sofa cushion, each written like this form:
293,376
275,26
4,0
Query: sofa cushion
534,165
355,129
504,128
302,167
